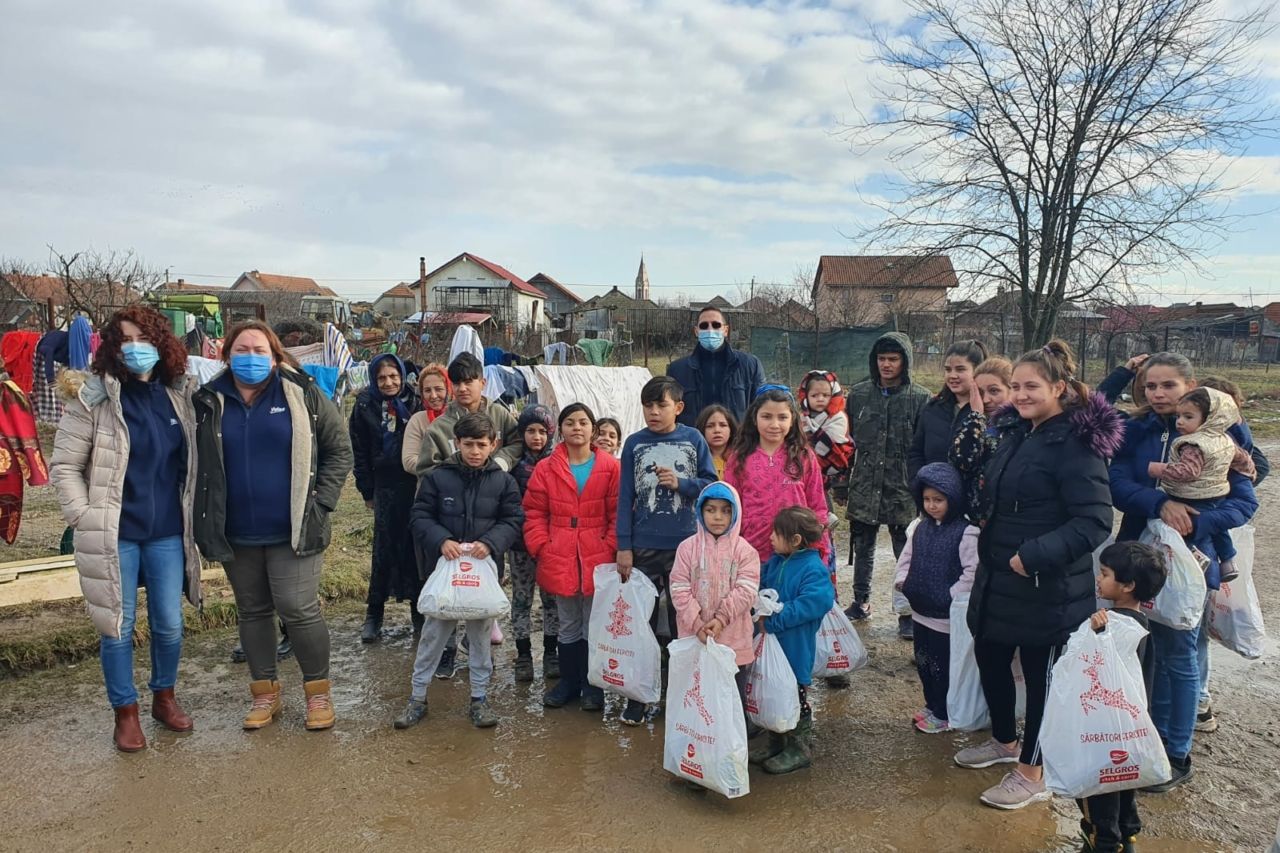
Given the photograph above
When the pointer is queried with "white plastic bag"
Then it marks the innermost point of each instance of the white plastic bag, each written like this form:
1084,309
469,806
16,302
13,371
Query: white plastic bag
966,703
623,654
1234,617
1097,736
464,589
773,695
706,736
840,649
1180,605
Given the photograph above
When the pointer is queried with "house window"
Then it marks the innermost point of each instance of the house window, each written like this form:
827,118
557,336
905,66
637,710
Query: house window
886,298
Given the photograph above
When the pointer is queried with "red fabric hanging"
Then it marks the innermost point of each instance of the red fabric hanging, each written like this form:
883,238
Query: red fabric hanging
18,349
20,457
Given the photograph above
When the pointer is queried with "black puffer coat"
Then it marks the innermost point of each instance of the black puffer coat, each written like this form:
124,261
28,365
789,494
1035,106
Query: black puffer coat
465,504
935,432
1046,497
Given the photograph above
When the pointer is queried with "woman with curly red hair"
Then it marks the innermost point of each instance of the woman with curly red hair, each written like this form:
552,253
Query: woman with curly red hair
124,467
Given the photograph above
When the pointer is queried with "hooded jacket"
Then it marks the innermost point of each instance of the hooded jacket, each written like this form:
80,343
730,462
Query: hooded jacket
717,577
567,532
940,557
805,590
438,444
740,374
319,463
90,458
377,432
828,430
884,423
1047,500
465,504
1216,448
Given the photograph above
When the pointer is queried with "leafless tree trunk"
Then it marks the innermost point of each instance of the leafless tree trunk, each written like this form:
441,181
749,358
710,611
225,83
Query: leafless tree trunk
1068,149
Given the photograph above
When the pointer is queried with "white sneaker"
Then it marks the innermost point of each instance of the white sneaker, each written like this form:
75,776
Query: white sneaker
1014,792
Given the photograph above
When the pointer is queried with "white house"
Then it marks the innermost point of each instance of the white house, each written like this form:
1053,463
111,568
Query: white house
469,283
398,302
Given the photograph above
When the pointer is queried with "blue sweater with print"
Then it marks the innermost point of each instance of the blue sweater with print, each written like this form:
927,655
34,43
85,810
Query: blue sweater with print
257,449
151,505
804,588
653,516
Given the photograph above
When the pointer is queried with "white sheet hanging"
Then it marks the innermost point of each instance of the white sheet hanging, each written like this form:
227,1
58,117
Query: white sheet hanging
466,339
612,392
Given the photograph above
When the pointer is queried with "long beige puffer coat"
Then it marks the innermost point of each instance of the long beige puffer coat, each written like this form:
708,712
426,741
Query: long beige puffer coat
90,455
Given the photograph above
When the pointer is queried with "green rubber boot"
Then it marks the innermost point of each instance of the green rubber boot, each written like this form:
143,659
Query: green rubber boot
795,756
804,731
763,753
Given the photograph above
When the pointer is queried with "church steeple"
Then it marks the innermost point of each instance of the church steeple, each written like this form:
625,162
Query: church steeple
642,281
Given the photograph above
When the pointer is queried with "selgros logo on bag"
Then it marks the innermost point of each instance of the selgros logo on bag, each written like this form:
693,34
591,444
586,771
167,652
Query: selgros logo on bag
1119,756
464,575
689,766
612,676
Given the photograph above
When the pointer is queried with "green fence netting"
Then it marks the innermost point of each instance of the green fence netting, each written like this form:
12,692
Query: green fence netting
788,355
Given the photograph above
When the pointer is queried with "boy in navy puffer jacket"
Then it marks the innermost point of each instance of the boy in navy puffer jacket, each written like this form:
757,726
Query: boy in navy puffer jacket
937,564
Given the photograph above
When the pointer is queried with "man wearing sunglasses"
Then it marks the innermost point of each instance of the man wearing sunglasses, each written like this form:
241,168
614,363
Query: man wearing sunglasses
715,372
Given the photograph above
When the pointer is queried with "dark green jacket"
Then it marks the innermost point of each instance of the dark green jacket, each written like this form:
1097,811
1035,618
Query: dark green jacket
882,422
321,461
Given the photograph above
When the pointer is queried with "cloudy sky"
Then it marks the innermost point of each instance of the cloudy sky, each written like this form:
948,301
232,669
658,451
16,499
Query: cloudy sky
341,139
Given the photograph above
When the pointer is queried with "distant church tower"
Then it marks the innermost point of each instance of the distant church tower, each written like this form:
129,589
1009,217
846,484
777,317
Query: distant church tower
642,281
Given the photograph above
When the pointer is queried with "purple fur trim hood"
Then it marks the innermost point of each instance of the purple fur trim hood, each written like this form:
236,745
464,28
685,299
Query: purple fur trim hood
1098,424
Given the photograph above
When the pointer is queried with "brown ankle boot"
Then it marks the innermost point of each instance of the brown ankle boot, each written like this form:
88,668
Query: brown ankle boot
128,734
266,704
167,712
319,705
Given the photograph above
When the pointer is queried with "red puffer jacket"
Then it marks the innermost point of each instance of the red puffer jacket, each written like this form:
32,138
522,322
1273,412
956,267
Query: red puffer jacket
569,534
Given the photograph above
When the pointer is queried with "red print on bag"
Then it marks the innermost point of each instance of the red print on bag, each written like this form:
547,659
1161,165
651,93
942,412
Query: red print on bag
1119,756
613,663
1102,695
691,750
464,566
835,646
619,620
693,697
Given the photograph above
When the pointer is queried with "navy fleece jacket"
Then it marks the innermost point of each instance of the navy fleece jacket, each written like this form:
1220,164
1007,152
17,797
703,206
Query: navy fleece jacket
257,449
151,506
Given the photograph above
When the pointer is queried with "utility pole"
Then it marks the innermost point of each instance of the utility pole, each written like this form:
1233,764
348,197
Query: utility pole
422,297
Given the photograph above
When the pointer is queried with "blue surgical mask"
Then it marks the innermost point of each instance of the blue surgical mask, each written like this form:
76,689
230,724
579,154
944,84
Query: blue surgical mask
711,339
250,368
139,356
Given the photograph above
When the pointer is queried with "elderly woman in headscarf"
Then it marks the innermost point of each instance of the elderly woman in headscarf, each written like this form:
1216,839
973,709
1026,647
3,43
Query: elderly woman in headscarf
378,422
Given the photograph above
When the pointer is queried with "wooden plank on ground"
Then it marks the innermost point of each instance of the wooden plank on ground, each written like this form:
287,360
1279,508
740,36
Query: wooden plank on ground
60,585
9,572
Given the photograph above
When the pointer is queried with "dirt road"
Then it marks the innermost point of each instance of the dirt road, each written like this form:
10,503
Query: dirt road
562,779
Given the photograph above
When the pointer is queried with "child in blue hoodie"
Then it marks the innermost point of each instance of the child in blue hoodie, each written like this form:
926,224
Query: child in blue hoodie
799,575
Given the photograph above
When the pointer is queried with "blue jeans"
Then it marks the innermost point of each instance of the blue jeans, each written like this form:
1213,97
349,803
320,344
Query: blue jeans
160,566
1202,662
1177,687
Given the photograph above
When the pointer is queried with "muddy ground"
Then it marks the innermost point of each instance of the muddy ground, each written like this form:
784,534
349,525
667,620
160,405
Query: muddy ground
563,779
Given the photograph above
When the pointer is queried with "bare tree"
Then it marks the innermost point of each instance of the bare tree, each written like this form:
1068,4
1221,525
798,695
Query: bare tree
99,283
17,307
1068,150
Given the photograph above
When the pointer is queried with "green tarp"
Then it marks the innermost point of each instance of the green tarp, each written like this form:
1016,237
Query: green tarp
788,355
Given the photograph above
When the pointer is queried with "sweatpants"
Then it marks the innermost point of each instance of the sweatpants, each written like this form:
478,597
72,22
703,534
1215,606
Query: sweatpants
862,553
933,663
575,617
994,667
1108,819
431,645
524,571
657,566
271,579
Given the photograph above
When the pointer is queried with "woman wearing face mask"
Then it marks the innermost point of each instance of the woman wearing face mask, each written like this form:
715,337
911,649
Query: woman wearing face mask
124,468
273,458
378,423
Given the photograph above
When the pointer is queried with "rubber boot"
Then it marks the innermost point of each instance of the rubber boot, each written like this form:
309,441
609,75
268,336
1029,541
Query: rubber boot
371,630
128,734
592,698
319,705
767,750
573,670
266,704
523,668
794,755
804,731
167,712
550,657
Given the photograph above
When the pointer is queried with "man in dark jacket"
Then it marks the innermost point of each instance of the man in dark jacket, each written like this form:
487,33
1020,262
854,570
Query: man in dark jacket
882,415
716,372
466,502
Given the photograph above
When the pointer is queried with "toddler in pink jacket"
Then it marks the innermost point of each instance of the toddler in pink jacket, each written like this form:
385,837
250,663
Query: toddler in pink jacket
716,577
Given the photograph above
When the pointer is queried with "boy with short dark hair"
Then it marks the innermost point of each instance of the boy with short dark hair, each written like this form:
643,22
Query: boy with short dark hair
465,505
1129,573
466,374
664,468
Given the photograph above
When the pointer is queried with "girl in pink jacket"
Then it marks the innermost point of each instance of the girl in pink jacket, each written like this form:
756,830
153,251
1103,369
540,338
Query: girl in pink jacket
773,468
716,577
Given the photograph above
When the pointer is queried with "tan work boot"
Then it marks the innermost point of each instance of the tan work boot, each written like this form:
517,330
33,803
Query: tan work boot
319,705
266,704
